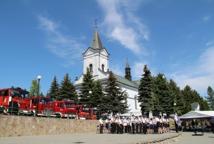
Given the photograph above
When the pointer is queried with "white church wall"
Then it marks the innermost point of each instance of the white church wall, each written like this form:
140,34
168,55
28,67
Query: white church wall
96,60
132,102
104,60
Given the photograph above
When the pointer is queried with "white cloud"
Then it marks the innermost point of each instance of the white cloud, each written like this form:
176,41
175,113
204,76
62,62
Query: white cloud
63,46
122,25
198,76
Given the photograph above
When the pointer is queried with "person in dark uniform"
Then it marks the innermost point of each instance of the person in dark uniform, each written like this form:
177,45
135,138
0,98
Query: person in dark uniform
144,125
101,125
113,125
133,124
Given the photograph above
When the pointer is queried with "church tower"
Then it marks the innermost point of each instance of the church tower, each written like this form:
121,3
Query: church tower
128,72
96,57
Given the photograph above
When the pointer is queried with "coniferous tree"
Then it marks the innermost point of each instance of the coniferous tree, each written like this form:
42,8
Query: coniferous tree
86,89
191,96
67,89
114,97
97,95
210,97
178,105
145,92
188,98
34,89
54,89
163,93
204,106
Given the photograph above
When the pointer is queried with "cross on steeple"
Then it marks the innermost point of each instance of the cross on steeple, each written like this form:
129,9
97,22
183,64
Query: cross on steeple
95,24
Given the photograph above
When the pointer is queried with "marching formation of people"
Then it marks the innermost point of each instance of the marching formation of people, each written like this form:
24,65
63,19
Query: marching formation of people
134,125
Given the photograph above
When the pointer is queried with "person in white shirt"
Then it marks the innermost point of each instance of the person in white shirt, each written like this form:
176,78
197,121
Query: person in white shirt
125,124
176,122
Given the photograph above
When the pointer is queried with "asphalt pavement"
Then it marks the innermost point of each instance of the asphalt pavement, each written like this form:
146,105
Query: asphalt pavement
88,139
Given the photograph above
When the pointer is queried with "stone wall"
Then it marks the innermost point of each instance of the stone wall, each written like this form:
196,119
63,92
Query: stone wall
26,126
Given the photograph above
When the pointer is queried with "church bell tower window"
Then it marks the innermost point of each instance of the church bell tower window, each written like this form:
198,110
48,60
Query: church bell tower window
103,67
91,68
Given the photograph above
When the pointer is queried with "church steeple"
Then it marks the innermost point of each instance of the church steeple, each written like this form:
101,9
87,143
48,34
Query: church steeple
96,57
128,71
96,43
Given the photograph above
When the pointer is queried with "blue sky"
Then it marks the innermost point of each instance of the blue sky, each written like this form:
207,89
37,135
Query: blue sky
45,37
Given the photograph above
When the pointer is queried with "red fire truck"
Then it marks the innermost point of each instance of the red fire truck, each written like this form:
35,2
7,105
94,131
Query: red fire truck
17,101
13,100
60,109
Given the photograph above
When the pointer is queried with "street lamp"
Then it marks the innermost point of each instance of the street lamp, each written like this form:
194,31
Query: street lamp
39,77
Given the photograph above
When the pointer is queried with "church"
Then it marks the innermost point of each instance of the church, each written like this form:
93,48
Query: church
96,59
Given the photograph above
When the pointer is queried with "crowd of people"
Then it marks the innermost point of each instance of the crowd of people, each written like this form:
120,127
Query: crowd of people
134,125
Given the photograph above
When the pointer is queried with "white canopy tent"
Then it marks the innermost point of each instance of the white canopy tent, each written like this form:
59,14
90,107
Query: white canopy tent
197,115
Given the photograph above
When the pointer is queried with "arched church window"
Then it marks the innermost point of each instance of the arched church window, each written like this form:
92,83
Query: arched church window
103,67
91,68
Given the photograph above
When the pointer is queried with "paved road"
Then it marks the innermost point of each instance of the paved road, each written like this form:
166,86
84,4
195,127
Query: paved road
188,138
85,139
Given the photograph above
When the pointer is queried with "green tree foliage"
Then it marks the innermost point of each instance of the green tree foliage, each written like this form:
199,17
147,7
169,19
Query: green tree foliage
34,89
210,97
164,94
54,89
86,89
190,96
96,98
114,97
178,105
67,89
204,104
187,94
145,91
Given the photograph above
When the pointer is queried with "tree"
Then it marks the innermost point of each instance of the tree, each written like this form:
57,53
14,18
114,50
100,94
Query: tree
97,94
145,91
163,94
175,92
86,88
34,89
54,89
210,97
188,98
96,99
67,89
114,97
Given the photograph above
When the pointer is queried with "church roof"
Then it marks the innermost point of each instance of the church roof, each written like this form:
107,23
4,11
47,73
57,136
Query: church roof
126,82
96,42
96,45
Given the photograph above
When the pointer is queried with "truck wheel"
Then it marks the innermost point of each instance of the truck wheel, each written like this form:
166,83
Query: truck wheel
13,108
1,109
58,115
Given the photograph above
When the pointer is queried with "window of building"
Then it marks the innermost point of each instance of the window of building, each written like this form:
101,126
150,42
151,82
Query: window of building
91,68
103,67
